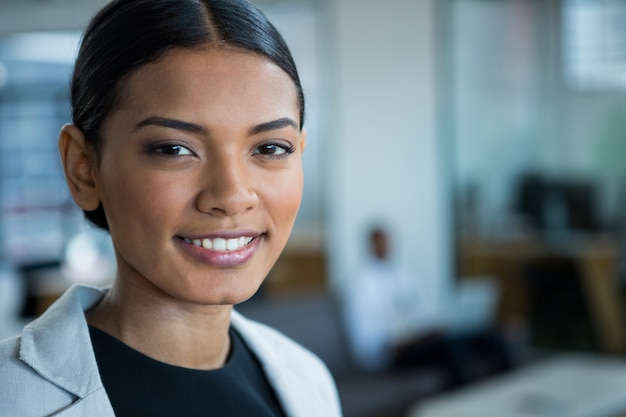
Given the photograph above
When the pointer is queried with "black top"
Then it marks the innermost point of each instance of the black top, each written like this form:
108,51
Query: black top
140,386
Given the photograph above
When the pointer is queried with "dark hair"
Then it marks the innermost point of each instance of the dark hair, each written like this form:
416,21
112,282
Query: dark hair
127,34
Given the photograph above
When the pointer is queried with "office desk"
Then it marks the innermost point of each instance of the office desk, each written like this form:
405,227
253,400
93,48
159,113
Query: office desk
596,256
565,386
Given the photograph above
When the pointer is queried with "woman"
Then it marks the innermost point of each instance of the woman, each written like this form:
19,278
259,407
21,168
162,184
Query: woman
186,146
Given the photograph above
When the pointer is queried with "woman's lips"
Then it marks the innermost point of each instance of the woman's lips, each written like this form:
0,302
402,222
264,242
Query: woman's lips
221,252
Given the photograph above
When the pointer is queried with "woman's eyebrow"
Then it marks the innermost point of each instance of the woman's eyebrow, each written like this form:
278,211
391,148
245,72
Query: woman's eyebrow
171,124
273,125
196,128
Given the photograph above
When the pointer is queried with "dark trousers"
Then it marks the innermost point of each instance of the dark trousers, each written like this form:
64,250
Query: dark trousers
466,357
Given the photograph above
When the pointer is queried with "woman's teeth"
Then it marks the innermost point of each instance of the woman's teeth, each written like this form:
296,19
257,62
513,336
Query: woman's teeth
221,244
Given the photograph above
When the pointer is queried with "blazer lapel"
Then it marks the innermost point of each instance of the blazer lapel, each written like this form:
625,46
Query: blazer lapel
97,404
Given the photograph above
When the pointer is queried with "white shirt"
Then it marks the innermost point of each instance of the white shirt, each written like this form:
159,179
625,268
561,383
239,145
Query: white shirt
379,313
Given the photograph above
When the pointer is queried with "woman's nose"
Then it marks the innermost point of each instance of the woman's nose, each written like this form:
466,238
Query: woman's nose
227,188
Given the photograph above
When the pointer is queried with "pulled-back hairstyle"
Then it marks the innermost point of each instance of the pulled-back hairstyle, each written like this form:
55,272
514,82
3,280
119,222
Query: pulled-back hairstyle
128,34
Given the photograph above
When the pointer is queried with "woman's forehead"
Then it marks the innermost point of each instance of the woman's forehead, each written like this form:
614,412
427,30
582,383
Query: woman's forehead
230,84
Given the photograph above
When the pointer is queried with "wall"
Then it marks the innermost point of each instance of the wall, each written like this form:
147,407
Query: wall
386,161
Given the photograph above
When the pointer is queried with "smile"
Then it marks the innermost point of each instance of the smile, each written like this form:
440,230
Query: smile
221,244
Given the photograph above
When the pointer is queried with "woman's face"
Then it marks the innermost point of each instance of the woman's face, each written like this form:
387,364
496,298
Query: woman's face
200,174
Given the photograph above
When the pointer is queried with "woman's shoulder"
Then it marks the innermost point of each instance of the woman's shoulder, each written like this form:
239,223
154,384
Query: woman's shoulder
8,351
14,373
22,387
13,370
47,360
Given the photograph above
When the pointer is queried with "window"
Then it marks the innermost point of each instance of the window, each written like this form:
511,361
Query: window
594,44
36,213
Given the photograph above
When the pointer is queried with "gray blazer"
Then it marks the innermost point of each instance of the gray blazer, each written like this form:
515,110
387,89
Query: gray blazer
50,369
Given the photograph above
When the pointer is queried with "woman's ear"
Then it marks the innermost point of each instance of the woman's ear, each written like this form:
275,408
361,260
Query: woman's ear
78,162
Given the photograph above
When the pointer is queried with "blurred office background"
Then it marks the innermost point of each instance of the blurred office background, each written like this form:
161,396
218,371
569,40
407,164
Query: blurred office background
488,136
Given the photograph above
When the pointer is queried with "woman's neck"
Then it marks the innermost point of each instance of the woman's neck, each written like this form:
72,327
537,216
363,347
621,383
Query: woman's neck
164,328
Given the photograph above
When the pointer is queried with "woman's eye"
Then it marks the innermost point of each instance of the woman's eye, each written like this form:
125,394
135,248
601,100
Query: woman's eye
273,150
171,150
